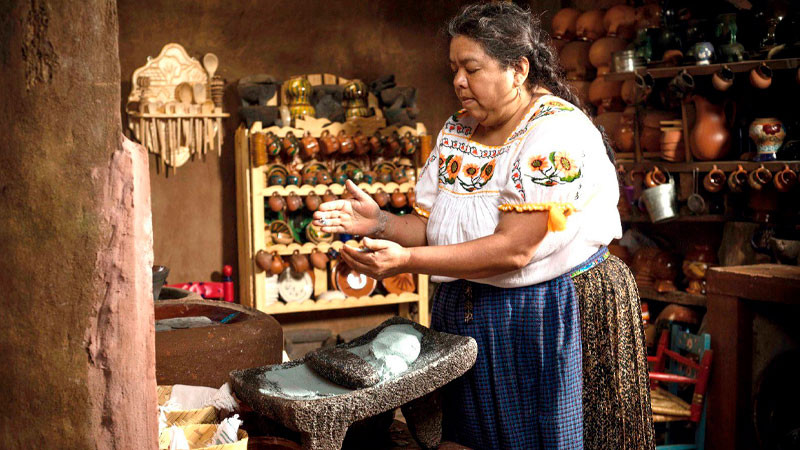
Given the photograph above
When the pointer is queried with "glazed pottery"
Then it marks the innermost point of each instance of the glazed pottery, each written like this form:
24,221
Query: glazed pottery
263,260
714,180
768,134
355,98
310,178
722,79
276,266
761,76
298,262
564,23
298,93
276,202
399,199
369,177
403,282
759,178
399,175
293,178
274,144
294,202
361,144
376,144
620,20
589,26
328,143
313,201
606,95
381,198
601,50
392,144
352,283
290,144
410,143
710,138
703,53
737,180
346,144
324,177
575,59
785,179
339,177
310,145
655,177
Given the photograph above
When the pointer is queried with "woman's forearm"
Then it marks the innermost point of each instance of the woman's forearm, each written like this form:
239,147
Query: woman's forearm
407,230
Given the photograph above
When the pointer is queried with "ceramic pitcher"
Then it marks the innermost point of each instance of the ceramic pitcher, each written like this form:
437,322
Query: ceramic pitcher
710,138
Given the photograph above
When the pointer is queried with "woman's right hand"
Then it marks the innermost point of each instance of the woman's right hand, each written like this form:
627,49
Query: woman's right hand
359,215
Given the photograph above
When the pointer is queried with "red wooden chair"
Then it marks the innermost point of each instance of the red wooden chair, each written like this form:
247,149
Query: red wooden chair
214,290
683,369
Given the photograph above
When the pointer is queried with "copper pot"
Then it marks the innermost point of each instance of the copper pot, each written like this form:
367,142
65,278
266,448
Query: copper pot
620,21
564,23
589,25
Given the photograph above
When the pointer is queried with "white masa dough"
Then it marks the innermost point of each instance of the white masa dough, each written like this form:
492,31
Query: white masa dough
392,350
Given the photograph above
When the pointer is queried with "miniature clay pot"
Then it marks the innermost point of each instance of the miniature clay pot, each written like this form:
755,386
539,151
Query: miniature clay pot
369,177
714,180
575,59
655,177
624,134
355,174
759,177
601,50
381,198
399,199
768,134
293,202
328,143
277,265
298,262
399,175
339,177
361,144
263,260
710,138
410,143
310,145
589,26
737,180
346,144
293,178
385,177
564,23
722,80
761,76
411,196
276,202
376,144
313,201
672,57
392,145
274,144
606,95
785,179
323,177
328,197
310,178
276,179
319,259
620,21
290,145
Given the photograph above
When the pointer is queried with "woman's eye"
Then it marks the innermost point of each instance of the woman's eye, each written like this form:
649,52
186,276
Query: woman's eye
471,71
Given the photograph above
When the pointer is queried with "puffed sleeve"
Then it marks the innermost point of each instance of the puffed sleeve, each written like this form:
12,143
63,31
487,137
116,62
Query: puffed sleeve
427,186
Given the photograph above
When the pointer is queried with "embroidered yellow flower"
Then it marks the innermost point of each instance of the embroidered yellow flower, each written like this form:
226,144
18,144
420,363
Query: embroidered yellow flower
453,166
538,163
488,170
565,165
471,170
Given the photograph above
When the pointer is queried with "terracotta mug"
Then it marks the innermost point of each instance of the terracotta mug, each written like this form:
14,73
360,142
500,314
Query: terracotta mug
737,180
298,262
277,266
381,198
273,143
290,145
412,197
714,180
319,259
645,82
399,199
293,202
410,143
310,178
328,196
263,260
392,144
276,202
760,177
324,177
293,178
722,79
785,179
346,144
310,145
376,144
655,177
328,143
313,201
761,76
682,84
361,144
399,175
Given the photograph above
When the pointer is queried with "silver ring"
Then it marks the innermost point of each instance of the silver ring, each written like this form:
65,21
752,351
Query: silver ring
323,222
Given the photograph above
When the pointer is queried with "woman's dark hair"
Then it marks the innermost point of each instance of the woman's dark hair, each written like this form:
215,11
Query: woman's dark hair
507,33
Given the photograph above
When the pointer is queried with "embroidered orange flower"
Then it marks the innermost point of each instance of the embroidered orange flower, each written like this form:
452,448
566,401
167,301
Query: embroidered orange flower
565,165
471,170
538,163
488,170
453,166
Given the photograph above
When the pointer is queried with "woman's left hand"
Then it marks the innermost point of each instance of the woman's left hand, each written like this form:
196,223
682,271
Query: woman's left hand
380,260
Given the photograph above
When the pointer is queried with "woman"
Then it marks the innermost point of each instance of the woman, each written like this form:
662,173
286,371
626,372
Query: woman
513,221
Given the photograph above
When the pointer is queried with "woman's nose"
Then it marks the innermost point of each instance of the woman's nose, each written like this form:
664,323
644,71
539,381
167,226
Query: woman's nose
460,80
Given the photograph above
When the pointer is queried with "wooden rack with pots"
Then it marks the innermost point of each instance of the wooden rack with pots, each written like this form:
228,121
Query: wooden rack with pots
253,191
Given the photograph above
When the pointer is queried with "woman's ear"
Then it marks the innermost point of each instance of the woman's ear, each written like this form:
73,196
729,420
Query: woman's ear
521,69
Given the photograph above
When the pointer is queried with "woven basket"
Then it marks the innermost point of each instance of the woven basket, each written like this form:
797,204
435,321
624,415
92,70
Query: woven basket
198,434
207,415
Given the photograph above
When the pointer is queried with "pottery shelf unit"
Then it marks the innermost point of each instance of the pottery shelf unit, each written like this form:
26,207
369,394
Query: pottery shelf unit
705,69
175,106
678,297
254,192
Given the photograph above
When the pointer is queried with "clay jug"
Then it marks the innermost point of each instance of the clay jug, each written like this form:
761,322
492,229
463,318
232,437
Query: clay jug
710,138
620,20
575,59
564,23
589,25
601,50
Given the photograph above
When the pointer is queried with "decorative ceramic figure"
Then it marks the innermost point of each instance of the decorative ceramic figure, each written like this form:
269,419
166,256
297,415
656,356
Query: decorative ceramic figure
703,53
298,93
710,138
726,30
768,134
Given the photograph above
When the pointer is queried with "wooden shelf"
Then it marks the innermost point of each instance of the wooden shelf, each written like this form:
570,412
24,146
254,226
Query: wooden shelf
307,248
705,166
708,69
679,297
177,115
349,302
644,218
337,189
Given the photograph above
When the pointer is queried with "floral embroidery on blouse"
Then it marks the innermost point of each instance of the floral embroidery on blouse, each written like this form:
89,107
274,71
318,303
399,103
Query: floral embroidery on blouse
516,177
476,177
453,125
448,172
469,149
550,107
557,168
430,161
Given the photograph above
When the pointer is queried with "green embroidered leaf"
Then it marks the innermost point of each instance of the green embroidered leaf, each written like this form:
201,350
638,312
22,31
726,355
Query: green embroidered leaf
572,178
552,157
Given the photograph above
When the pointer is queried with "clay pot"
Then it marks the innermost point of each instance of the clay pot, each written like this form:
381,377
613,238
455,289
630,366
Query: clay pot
319,259
313,201
645,82
611,122
324,177
624,134
575,59
672,57
629,92
681,84
293,178
606,95
650,137
399,175
381,198
339,177
672,148
768,134
409,143
785,179
589,26
276,202
274,144
601,50
737,180
655,177
761,76
392,144
293,202
722,80
290,145
411,196
277,265
620,21
328,197
263,260
328,143
710,138
346,143
714,180
370,177
310,145
376,144
298,262
310,178
385,177
360,144
399,199
564,23
758,178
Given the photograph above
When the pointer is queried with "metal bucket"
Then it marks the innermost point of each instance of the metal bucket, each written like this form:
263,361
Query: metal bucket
660,201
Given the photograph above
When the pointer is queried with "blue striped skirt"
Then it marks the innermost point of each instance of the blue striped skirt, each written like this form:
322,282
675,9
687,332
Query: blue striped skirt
526,386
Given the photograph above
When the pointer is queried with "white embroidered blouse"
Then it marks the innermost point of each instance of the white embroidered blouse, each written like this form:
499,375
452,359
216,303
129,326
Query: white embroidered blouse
554,161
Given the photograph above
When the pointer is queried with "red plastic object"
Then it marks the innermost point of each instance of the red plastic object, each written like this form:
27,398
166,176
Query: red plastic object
213,290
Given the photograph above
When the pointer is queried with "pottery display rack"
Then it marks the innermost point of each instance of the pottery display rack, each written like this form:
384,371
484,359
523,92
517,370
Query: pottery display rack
252,191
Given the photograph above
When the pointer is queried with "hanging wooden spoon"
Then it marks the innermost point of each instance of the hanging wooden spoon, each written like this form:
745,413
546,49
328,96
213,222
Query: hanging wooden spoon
210,62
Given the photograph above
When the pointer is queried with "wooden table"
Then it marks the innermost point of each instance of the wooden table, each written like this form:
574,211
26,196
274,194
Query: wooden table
733,292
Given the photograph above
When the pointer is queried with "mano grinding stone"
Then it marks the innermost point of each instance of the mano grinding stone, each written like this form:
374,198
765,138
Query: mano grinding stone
343,367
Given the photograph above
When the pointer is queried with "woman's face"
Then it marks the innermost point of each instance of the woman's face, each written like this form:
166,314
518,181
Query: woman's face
481,84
